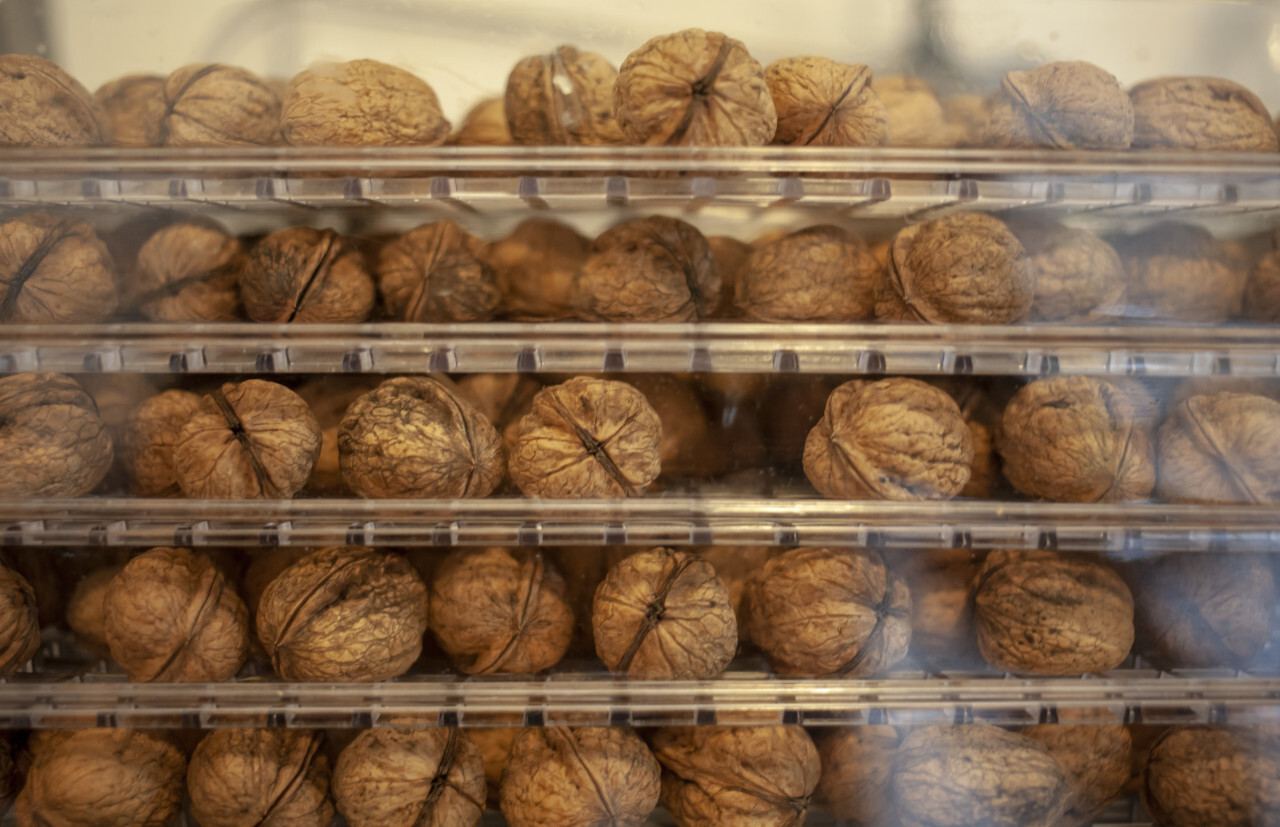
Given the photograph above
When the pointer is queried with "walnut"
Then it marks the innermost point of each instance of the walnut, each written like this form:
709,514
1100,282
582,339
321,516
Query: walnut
535,267
106,777
87,613
266,565
694,88
189,272
940,582
1077,439
149,437
1208,385
215,105
584,439
1096,757
915,114
663,614
361,103
896,439
306,275
824,103
503,398
526,623
54,270
689,447
655,269
253,440
763,776
132,107
1078,276
437,273
1052,614
413,436
820,611
19,622
585,775
260,776
821,274
730,255
344,614
328,398
1067,104
1223,448
964,268
423,778
1201,114
1262,292
41,105
954,776
1179,272
855,772
564,98
1202,611
53,441
485,124
982,418
735,566
1212,777
495,748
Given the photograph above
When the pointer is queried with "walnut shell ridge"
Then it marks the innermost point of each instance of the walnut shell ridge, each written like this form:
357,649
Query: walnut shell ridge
1061,105
212,104
1221,448
260,776
53,441
41,105
149,436
306,275
564,98
1212,777
816,274
437,273
19,622
54,270
1200,113
189,271
361,103
823,103
423,778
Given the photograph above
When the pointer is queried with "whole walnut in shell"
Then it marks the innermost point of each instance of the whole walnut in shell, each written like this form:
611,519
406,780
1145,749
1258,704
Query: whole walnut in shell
414,436
1052,614
1096,757
940,581
1202,114
254,440
19,622
655,269
54,270
855,772
564,98
149,437
189,272
170,617
663,614
915,113
1078,276
418,777
1077,439
965,268
1212,777
823,103
586,439
1067,104
1262,292
215,105
525,624
821,611
268,777
535,267
763,776
694,88
896,439
306,275
41,105
51,437
821,274
361,103
105,777
1222,448
437,273
132,107
485,124
956,776
1179,272
87,612
343,614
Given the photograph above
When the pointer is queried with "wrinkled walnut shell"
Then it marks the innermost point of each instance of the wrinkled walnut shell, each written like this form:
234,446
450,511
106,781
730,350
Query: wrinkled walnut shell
54,270
1262,293
306,275
53,441
1179,272
1067,104
416,778
823,103
855,772
132,107
41,105
149,437
735,566
819,274
1223,448
535,267
215,105
189,272
564,98
437,273
1206,114
260,776
1212,777
485,124
1095,756
19,622
361,103
915,114
1078,276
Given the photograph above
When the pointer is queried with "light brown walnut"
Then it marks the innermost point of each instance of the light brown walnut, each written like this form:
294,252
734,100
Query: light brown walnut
823,103
1179,272
410,777
562,98
149,436
41,105
1067,104
211,104
535,267
306,275
54,270
485,124
1199,113
735,566
437,273
189,272
915,113
1222,448
266,777
53,442
87,612
1096,757
19,622
1212,777
966,117
821,274
855,772
1078,276
132,107
361,103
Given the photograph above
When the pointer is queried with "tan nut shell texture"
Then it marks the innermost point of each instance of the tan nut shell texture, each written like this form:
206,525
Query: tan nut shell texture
132,107
1096,757
1221,448
564,98
361,103
190,272
269,777
215,105
1212,777
823,103
52,439
1078,275
1061,105
414,778
1200,113
855,772
817,274
41,105
19,622
149,437
54,270
437,273
307,276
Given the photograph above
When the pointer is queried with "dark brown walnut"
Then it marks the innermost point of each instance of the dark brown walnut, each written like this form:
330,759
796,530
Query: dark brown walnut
415,778
915,113
820,611
689,446
665,615
10,781
344,614
254,440
41,105
535,268
437,273
361,103
711,775
104,777
824,103
896,439
955,776
1203,611
306,275
495,748
821,274
53,442
1223,448
585,775
735,565
564,98
500,610
1179,272
587,439
1067,104
730,255
414,436
1049,613
855,773
266,777
1077,439
54,270
940,582
149,437
171,617
87,612
1262,292
189,272
1094,754
215,105
1202,114
694,88
789,408
964,268
132,107
1212,777
1078,276
19,622
485,124
655,269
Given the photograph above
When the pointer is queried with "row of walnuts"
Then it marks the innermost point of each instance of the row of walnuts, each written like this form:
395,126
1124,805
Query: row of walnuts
969,775
963,268
690,88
